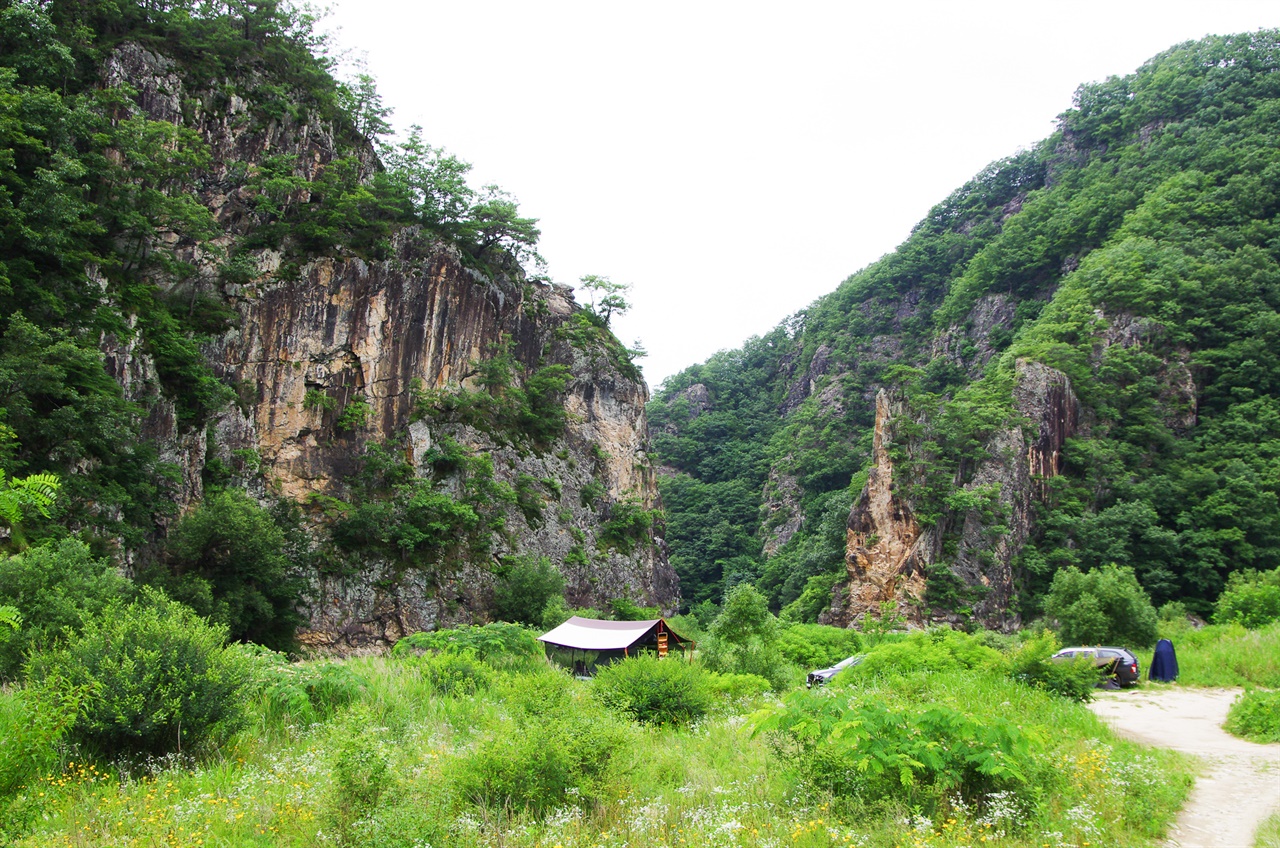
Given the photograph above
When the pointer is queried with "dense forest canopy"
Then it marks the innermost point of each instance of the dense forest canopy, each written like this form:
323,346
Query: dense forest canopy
1135,250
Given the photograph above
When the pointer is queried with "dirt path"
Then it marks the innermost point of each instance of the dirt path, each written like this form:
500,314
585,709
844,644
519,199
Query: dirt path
1240,785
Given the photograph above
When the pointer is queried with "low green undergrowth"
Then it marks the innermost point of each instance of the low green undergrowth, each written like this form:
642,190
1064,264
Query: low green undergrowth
1226,655
534,758
1255,716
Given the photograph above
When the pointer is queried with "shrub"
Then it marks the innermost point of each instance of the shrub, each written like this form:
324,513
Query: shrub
228,562
160,678
655,691
625,609
736,687
744,638
1251,598
1030,664
31,724
296,693
56,587
1255,715
912,752
1105,606
525,585
361,771
455,672
495,642
939,649
817,645
627,525
559,751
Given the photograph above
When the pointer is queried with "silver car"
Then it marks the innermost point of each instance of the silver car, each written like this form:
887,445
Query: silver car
822,675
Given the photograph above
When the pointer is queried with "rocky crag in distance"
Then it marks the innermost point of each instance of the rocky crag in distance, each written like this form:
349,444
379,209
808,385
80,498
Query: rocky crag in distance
1069,363
405,354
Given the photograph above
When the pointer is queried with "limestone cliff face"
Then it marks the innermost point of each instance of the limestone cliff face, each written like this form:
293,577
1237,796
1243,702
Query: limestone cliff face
314,338
891,557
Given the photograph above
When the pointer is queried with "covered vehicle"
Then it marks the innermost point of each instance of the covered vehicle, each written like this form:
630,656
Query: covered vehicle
822,675
1117,663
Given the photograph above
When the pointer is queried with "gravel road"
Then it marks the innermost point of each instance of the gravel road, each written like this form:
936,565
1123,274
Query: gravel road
1240,784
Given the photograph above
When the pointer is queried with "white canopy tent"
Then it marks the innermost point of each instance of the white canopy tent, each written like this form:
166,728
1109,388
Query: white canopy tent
624,637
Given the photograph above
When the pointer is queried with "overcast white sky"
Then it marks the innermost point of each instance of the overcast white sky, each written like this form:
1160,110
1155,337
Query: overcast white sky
734,161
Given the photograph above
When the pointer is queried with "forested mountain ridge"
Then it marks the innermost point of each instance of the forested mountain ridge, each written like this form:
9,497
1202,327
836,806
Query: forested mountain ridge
1075,359
285,369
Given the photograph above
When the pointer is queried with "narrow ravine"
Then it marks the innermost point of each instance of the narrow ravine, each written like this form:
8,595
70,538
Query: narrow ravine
1240,784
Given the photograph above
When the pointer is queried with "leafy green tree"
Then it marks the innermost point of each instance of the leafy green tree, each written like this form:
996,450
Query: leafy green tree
58,587
160,679
434,181
525,585
744,638
229,560
493,225
1251,598
607,297
1105,606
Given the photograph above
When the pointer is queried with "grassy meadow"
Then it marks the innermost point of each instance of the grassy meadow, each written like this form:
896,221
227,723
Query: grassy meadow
448,748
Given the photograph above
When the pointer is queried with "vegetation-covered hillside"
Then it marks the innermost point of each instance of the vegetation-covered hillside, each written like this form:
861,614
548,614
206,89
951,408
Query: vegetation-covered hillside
1136,251
249,344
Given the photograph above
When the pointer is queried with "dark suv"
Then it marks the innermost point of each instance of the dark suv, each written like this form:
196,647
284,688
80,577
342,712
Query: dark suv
1118,663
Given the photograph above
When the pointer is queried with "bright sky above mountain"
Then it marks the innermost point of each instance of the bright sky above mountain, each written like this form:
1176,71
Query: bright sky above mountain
736,160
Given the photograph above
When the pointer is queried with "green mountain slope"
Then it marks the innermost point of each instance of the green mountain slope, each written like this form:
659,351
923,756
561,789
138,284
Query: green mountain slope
1135,251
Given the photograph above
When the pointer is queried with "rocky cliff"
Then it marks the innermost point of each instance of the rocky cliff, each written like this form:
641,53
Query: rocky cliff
329,355
890,556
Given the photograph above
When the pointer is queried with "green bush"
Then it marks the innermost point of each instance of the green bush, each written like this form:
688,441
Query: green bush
31,724
558,750
655,691
744,638
361,770
160,679
56,587
497,642
811,646
525,585
228,560
1255,715
1251,598
1105,606
939,649
298,694
455,672
736,687
1030,664
871,750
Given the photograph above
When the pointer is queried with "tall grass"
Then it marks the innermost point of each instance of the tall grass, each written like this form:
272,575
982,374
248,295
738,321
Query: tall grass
1225,655
1268,835
401,762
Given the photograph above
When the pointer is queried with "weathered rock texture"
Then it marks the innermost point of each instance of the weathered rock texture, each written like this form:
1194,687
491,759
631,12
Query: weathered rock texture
889,554
314,338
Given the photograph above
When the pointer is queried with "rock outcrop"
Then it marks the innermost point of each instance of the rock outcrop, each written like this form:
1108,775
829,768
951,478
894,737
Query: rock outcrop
319,338
891,557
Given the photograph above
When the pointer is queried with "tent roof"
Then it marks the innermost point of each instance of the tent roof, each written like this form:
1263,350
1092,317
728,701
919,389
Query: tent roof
590,634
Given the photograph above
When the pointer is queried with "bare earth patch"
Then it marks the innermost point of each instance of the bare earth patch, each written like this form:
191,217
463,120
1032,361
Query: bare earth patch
1240,785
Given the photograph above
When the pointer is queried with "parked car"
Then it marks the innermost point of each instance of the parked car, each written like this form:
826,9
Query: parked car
822,675
1117,663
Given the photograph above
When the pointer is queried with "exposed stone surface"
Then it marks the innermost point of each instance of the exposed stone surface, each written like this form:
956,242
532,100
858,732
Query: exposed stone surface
888,553
885,555
312,340
781,509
